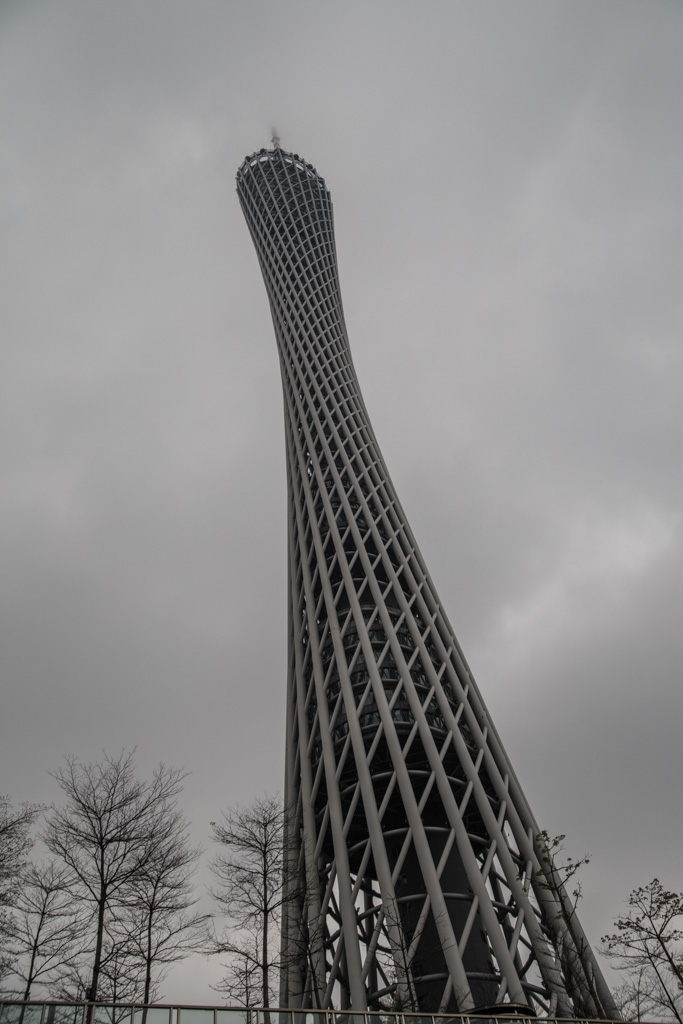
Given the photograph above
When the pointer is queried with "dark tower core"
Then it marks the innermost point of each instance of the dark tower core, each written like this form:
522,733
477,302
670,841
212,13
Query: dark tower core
414,878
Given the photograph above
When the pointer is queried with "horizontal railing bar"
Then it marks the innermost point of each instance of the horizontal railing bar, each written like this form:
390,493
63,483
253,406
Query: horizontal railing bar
259,1012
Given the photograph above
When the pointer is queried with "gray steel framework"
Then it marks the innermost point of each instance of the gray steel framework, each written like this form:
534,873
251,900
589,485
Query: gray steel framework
414,877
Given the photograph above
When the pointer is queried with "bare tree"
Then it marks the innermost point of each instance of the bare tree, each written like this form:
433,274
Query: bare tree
122,976
635,998
46,929
648,943
576,958
242,982
106,834
249,885
15,844
120,979
158,923
120,982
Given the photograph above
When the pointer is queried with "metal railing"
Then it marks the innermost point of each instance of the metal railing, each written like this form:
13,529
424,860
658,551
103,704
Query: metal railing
14,1012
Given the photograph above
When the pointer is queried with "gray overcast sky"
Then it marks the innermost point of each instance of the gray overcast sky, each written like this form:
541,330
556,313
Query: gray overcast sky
507,188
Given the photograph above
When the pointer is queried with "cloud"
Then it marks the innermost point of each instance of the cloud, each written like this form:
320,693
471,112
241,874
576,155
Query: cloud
507,201
601,564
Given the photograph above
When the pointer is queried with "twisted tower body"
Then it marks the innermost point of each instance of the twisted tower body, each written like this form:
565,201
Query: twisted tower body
414,876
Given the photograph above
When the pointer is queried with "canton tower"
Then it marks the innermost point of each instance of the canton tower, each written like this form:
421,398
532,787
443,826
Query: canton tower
414,878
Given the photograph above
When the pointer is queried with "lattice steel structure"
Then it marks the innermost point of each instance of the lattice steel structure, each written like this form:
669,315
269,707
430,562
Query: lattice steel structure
414,877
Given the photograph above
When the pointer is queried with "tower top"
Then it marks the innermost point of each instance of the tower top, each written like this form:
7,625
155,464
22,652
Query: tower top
278,158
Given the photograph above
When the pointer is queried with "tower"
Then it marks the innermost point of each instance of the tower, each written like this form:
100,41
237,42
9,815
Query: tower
414,873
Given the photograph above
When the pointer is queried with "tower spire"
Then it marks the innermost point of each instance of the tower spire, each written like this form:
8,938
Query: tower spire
412,868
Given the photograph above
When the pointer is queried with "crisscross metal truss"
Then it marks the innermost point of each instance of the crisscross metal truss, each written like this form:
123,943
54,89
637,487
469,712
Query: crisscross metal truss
413,879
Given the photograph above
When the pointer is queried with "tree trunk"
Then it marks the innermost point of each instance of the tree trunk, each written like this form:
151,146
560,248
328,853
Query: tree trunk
148,968
264,945
91,994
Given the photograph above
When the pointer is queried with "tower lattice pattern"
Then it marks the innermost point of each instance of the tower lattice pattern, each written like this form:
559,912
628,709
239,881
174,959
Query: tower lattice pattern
413,873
